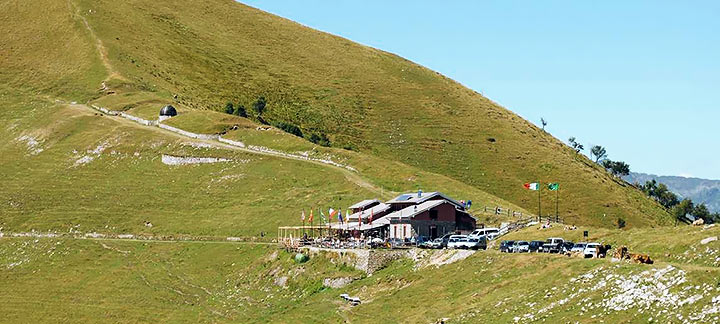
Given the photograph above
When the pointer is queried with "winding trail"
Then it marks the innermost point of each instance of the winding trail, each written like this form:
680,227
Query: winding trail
114,74
133,238
351,176
102,51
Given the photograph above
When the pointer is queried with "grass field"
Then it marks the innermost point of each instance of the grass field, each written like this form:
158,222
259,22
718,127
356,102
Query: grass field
68,166
397,126
123,281
374,102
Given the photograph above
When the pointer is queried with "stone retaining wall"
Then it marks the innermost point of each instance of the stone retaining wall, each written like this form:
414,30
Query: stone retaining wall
139,120
189,134
365,260
231,142
106,111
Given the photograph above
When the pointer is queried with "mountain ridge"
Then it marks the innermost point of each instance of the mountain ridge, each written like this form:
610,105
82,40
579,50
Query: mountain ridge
700,190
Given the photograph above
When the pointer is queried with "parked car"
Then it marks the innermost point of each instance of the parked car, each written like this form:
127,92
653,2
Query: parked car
505,246
435,244
489,232
578,247
591,250
396,242
566,246
476,243
420,241
553,245
445,239
457,242
521,247
535,246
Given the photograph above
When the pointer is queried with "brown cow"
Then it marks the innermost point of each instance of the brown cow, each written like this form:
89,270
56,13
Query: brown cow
622,254
641,258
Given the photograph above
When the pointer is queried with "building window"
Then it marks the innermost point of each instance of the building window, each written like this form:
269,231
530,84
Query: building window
403,231
433,214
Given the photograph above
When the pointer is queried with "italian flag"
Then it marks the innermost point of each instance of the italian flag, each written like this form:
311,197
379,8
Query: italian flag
532,186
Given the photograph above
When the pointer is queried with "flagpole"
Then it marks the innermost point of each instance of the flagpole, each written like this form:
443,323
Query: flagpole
312,230
557,204
539,207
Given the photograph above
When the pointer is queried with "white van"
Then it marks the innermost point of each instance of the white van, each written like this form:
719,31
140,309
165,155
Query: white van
457,242
489,232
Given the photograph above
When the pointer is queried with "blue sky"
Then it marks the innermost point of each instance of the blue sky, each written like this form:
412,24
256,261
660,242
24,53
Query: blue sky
641,78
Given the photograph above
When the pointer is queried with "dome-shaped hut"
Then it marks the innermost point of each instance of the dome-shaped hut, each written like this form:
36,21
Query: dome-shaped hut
167,112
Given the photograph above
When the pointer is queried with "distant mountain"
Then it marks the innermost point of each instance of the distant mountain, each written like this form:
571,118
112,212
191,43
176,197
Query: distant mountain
699,190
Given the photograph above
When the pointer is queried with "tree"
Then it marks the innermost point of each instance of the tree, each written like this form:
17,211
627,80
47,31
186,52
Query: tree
607,164
621,169
617,168
240,111
229,108
649,188
715,217
289,128
259,106
701,211
599,152
575,145
666,197
685,207
543,122
321,139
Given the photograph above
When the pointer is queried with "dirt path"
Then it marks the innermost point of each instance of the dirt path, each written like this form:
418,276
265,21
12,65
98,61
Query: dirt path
351,176
135,238
102,51
113,74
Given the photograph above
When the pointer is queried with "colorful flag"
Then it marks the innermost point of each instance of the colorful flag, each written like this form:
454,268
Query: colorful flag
332,213
554,186
324,219
340,219
360,218
532,186
311,216
302,217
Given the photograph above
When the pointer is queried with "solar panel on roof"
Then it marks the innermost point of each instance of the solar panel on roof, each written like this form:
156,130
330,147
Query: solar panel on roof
404,197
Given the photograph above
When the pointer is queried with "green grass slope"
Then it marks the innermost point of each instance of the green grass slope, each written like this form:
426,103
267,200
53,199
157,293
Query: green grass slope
65,280
212,52
67,166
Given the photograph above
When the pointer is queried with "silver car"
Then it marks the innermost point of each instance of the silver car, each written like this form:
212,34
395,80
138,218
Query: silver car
521,247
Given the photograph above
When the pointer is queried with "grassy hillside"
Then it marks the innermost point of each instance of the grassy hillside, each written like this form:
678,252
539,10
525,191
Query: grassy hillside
208,53
66,166
65,280
365,99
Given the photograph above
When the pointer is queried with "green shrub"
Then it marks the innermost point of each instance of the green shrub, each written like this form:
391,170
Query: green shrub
321,139
229,109
620,223
289,128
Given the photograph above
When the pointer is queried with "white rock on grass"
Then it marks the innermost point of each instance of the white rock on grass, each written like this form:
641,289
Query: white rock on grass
33,144
709,239
91,154
337,282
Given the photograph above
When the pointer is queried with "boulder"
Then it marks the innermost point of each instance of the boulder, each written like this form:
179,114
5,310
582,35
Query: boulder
708,240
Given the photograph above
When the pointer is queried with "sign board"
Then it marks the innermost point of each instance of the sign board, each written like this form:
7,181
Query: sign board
585,233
